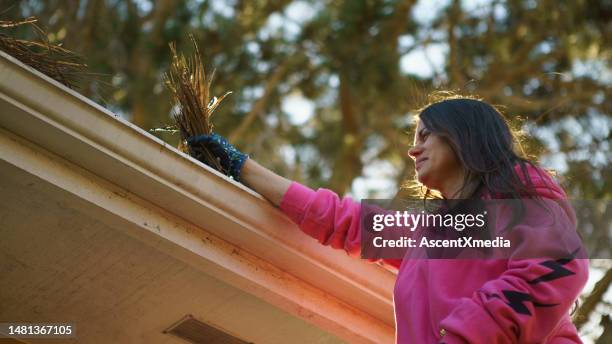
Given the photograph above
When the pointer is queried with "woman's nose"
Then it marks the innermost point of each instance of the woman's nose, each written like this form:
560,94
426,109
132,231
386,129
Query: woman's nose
414,152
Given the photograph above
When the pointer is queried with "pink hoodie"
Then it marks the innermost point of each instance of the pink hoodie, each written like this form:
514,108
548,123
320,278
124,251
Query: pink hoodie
460,301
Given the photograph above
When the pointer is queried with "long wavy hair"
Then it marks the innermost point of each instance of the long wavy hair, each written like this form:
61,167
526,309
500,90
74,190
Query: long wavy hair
485,145
488,150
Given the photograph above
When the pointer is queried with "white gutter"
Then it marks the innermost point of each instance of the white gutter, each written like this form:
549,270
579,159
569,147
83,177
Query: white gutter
346,296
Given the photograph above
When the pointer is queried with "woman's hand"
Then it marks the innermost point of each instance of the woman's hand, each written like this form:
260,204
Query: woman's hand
230,158
243,169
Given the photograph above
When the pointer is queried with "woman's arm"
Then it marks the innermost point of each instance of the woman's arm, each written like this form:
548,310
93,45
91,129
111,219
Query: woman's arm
265,182
321,214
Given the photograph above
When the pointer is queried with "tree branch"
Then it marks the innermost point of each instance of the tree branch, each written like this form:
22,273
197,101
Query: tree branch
348,163
582,315
260,104
455,76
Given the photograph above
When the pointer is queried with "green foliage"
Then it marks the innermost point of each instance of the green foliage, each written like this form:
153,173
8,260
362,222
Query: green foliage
546,61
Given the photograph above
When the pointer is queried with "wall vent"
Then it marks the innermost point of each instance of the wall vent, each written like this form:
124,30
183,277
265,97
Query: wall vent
195,331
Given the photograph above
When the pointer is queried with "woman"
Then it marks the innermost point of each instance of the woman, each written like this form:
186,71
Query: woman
463,149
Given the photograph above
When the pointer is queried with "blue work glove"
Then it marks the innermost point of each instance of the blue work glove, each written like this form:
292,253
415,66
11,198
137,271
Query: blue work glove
230,158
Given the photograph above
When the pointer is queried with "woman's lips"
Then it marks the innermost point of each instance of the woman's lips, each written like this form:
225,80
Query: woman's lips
419,162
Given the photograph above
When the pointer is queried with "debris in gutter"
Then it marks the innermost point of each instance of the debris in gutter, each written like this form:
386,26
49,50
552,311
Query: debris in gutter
52,60
193,105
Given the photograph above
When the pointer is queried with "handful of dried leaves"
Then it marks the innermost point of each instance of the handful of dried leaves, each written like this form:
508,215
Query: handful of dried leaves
193,105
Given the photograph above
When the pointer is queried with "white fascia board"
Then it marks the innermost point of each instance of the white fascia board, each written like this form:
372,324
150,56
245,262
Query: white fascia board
74,128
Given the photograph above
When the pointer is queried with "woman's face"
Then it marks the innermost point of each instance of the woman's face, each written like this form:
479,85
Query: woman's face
437,166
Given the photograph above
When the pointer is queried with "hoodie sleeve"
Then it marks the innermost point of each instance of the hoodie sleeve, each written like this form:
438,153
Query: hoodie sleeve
529,301
513,309
331,220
